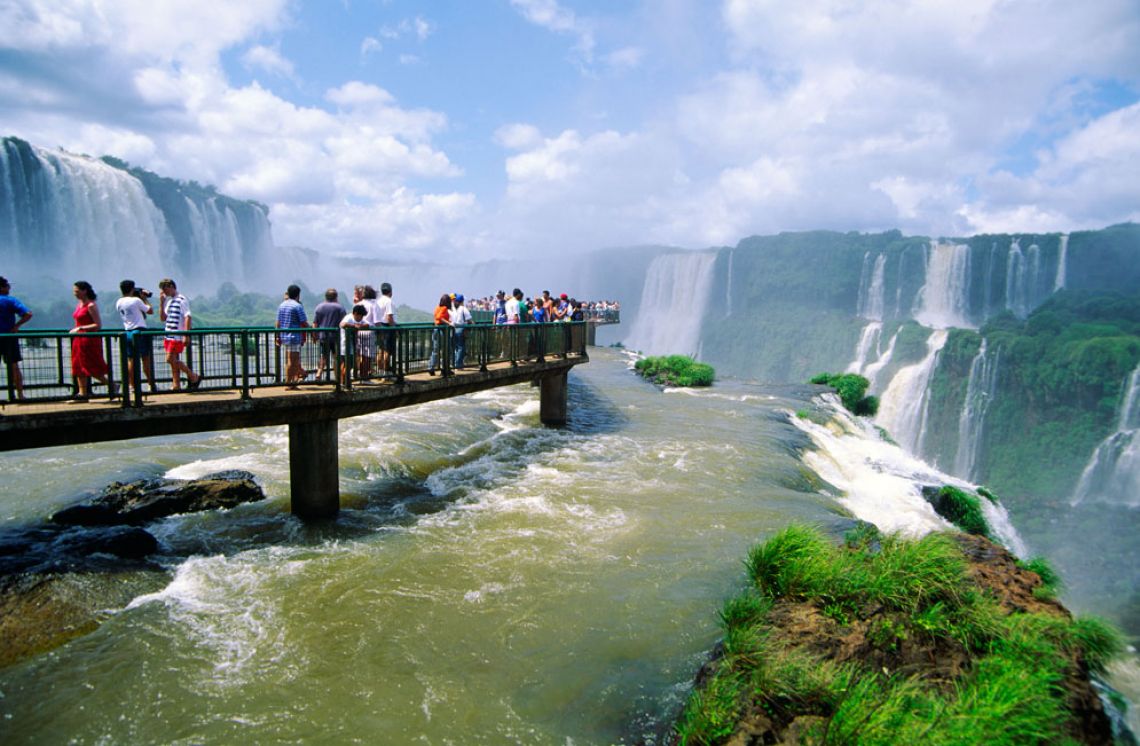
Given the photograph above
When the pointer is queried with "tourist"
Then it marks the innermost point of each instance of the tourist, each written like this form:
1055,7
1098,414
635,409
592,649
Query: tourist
133,308
460,318
578,312
174,310
87,360
386,312
13,315
327,315
500,308
547,306
512,307
538,313
562,308
291,315
351,342
442,317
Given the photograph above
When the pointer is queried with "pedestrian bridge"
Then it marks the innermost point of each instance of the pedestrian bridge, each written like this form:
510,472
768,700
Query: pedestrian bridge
243,385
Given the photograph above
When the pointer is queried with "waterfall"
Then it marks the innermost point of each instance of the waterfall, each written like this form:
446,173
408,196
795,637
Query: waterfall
942,301
1062,263
871,288
871,372
871,336
673,301
904,405
980,391
91,219
1113,473
77,215
728,286
1023,286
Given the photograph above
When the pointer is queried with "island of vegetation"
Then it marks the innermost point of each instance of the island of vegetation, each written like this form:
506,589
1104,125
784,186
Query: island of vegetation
675,370
852,390
884,640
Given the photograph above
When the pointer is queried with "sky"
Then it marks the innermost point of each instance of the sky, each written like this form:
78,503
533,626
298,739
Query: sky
465,130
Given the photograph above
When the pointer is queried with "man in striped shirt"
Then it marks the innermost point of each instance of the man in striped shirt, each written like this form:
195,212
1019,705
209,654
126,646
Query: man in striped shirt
175,313
291,315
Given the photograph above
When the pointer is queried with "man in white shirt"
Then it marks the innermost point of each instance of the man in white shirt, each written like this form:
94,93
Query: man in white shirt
460,318
513,307
175,314
133,309
386,312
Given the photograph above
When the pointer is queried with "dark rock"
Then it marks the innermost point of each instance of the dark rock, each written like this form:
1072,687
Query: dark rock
138,503
128,542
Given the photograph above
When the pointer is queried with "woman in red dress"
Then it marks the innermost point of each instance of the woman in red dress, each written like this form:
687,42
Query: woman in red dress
87,352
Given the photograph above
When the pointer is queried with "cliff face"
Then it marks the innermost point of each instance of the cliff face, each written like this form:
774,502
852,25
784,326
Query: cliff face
948,639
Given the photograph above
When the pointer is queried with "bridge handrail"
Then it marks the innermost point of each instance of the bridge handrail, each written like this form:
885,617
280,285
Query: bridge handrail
251,357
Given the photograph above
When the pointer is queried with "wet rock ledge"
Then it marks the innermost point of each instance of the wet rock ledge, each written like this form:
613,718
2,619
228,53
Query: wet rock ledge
59,577
944,639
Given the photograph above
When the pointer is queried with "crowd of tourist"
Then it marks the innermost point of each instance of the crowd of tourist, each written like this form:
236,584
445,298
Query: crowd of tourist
370,313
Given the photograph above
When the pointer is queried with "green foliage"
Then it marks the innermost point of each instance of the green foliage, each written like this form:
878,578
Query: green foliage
1013,692
852,389
962,509
1050,580
675,370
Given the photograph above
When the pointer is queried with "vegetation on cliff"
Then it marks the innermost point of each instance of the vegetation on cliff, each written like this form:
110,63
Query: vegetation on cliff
852,390
675,370
887,640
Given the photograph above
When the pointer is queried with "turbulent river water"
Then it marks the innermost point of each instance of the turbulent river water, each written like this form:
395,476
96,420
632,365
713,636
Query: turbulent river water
488,580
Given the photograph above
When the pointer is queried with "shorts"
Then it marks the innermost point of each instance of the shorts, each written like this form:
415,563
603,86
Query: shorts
328,349
173,346
142,343
10,350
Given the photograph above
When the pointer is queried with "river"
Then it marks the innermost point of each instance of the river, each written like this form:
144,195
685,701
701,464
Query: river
488,579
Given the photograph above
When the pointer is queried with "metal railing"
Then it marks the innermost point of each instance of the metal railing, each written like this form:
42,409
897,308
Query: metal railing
597,315
248,358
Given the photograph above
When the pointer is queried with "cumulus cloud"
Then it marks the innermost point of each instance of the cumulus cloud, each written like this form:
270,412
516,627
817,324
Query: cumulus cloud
269,59
549,14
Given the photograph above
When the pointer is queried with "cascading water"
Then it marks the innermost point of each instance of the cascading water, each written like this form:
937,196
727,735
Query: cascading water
1023,279
980,391
1113,473
64,212
728,286
76,214
868,340
903,406
871,372
871,288
673,302
942,301
1062,263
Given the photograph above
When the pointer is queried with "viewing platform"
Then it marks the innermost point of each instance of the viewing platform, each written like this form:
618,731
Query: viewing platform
244,384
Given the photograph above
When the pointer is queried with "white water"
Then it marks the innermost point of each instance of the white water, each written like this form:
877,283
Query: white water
1023,279
728,285
869,339
69,217
1062,263
904,405
980,392
872,287
871,372
1112,475
942,301
881,483
673,302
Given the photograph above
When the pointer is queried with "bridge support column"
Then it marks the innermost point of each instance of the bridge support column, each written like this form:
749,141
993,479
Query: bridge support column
314,492
591,334
552,399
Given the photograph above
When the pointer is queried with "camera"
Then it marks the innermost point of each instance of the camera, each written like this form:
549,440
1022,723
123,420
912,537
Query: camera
142,293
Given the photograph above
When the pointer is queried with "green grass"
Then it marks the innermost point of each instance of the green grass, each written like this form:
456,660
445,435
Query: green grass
1011,693
1050,580
962,509
675,370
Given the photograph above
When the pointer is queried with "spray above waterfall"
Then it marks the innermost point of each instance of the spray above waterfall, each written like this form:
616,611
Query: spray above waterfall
673,302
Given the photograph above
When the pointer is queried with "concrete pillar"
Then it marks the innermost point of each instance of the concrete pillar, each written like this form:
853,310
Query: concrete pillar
591,334
552,399
314,492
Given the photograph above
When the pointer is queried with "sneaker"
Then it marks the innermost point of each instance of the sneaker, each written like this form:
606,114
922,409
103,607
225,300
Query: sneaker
77,400
195,383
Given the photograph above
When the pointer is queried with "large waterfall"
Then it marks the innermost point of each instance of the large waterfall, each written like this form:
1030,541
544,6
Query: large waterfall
980,391
1023,279
872,287
904,405
1062,263
869,339
69,217
1113,472
673,303
943,300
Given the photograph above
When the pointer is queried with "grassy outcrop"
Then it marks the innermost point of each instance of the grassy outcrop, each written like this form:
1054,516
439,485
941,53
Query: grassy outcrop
884,640
852,390
675,370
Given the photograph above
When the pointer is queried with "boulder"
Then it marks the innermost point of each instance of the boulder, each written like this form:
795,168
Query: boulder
146,500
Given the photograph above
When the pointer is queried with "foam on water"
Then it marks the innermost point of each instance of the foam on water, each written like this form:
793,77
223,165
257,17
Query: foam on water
881,483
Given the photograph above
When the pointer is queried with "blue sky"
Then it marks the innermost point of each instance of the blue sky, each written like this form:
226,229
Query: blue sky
467,130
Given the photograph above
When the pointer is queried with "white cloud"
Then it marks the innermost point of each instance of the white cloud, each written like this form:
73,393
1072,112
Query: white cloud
626,58
269,59
549,14
518,136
